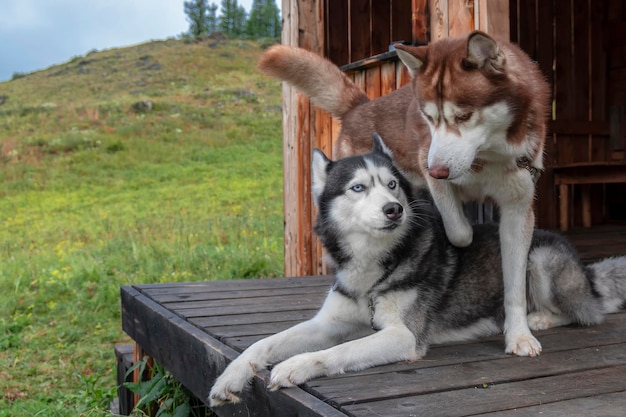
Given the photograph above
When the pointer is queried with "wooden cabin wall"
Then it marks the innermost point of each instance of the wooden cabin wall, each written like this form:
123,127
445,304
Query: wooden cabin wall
570,42
345,32
616,48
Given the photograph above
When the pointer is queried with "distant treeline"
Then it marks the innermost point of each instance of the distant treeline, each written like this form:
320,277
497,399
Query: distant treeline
233,21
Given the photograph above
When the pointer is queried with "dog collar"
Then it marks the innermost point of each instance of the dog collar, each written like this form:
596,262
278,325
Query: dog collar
535,173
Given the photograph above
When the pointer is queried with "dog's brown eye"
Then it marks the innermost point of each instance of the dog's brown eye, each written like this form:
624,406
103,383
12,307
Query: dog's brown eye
428,117
460,118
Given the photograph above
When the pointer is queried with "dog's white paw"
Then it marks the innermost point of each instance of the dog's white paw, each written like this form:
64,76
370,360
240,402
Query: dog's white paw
542,320
229,386
523,345
295,371
458,230
539,321
460,236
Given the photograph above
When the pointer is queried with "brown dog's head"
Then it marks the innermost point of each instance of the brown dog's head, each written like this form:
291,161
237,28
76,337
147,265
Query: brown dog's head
477,97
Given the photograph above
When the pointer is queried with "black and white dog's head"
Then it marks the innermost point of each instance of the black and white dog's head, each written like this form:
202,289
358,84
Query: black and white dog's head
362,200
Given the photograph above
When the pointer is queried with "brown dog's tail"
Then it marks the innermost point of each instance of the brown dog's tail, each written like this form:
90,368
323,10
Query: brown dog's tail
325,84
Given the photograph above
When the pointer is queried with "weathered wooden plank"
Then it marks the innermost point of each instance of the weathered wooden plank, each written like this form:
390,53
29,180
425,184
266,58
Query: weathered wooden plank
248,305
182,300
263,306
527,27
439,19
364,388
493,18
605,405
546,203
337,35
253,318
387,78
372,82
235,284
419,22
359,28
564,82
461,17
598,87
380,26
167,336
222,332
507,396
401,21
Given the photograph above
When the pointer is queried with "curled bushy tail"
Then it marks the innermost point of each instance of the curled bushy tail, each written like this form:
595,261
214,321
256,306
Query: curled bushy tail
325,84
609,277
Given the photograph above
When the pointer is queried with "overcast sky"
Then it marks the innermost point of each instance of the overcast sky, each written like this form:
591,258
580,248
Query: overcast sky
35,34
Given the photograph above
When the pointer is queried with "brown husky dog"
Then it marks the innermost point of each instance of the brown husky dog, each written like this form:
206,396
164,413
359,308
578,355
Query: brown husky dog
470,126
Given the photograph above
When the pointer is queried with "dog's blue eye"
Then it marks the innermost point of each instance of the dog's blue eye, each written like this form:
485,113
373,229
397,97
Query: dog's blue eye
392,184
358,188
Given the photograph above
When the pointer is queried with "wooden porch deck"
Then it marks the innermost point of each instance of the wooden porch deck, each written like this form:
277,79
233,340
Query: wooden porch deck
194,329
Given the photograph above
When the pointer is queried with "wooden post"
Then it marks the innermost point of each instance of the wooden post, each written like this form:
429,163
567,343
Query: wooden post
419,21
138,355
303,27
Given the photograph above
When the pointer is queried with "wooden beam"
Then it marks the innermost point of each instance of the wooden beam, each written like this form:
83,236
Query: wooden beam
419,22
439,19
493,18
303,27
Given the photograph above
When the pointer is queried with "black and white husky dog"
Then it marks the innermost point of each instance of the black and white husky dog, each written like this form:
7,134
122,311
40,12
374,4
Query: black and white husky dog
397,273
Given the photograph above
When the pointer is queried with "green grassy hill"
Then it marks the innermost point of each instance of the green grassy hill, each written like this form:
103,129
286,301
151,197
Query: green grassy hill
97,191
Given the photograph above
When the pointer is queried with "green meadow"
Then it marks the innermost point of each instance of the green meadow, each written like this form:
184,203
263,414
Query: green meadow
97,192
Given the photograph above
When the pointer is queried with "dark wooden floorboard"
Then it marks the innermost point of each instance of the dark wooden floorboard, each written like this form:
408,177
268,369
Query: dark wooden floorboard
506,396
605,405
195,329
599,242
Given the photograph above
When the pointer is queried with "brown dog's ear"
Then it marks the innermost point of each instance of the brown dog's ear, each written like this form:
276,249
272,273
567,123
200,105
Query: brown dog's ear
413,57
483,53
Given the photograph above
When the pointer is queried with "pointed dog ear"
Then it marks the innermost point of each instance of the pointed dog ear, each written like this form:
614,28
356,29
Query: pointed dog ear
413,57
380,147
483,53
319,173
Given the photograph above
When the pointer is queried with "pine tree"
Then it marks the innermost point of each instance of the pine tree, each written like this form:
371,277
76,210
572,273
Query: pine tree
196,11
233,18
212,22
264,19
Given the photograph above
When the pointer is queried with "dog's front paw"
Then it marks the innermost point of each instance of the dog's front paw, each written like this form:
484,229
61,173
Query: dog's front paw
295,371
523,345
224,392
230,385
539,321
460,235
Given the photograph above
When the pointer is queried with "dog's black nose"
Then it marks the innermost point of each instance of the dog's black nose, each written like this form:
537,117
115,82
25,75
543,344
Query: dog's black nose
393,211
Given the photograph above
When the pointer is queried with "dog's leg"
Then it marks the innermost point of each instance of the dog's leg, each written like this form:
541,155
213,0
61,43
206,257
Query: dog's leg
394,342
516,227
334,323
391,344
458,228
